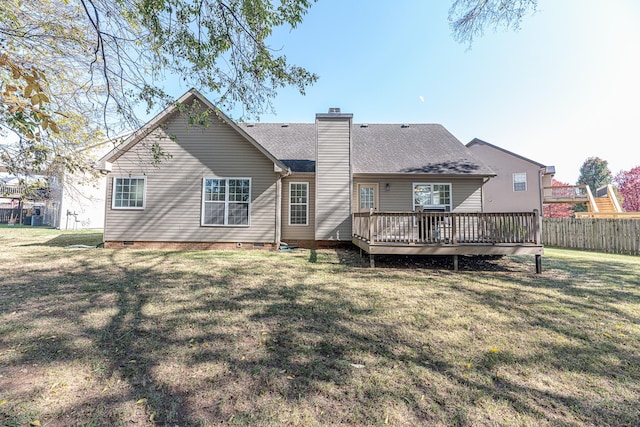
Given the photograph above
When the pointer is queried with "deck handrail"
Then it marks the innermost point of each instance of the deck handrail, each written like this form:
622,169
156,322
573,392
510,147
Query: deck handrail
448,227
614,200
565,194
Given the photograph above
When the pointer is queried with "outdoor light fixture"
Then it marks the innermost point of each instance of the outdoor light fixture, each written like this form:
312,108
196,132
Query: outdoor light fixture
387,187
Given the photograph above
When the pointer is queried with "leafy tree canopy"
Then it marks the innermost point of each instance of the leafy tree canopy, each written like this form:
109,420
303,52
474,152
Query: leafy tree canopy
71,68
595,173
628,183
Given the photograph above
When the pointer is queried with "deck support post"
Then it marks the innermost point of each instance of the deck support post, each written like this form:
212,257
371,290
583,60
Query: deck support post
538,264
455,263
372,261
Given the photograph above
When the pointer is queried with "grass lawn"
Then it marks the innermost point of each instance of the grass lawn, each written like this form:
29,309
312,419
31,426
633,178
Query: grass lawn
104,337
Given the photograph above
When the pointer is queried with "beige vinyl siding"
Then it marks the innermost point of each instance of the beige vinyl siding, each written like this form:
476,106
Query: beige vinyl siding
333,179
465,192
298,232
174,189
498,191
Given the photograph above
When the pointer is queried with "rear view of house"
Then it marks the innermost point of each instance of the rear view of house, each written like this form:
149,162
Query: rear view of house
221,184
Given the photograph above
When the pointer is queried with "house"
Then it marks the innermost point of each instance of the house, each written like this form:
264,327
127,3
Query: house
64,201
388,188
519,182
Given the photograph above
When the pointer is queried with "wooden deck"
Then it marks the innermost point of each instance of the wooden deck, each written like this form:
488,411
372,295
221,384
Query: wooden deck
447,233
566,194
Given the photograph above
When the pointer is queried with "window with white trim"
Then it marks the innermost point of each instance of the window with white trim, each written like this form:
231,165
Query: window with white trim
128,193
298,203
520,181
226,201
432,196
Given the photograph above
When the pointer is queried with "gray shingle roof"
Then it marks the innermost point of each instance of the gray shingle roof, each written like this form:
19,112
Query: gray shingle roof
377,148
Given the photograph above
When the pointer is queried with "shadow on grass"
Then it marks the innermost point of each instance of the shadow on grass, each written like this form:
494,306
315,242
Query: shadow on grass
234,342
67,239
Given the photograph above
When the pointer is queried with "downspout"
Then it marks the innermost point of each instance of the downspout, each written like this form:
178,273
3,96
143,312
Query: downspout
278,225
541,173
482,202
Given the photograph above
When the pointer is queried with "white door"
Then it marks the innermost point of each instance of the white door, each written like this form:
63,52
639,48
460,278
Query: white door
367,197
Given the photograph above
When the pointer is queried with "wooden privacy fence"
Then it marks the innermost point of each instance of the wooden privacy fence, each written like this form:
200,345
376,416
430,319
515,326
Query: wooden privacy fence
615,236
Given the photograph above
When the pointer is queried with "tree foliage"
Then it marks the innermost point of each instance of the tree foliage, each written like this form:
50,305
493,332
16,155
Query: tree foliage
470,18
101,59
97,62
628,183
558,210
595,173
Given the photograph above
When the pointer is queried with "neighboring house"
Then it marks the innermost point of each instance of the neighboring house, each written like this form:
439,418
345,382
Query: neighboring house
224,184
75,204
78,203
519,183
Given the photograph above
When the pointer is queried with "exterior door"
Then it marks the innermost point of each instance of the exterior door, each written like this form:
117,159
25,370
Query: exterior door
367,197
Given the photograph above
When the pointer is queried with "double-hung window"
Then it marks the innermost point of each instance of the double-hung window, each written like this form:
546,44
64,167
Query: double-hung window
520,181
226,201
128,193
432,196
298,203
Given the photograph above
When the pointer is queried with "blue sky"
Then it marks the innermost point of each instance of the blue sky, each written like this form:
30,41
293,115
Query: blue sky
563,88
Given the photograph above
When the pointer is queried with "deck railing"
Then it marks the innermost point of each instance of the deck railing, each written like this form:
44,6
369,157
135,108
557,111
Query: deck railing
447,227
565,194
11,190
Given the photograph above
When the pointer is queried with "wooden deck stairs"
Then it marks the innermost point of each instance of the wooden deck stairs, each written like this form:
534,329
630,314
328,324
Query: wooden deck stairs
604,204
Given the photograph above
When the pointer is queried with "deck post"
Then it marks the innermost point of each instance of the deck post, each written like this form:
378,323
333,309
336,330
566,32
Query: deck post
455,263
371,227
372,261
454,229
537,227
538,264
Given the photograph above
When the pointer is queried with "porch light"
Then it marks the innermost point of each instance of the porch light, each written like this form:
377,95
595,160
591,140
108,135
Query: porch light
387,187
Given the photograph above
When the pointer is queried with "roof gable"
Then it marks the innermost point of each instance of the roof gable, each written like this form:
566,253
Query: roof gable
163,116
479,142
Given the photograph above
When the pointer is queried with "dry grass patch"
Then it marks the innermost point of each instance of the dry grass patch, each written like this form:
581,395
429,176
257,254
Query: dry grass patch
104,337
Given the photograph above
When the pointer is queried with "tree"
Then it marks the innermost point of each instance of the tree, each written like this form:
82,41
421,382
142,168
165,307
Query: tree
628,183
558,210
595,173
100,59
469,18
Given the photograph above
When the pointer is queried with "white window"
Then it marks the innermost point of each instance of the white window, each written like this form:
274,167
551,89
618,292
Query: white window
226,201
520,181
432,196
298,203
367,200
129,193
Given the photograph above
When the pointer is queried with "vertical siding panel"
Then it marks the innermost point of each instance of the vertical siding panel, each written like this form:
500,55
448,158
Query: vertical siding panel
333,178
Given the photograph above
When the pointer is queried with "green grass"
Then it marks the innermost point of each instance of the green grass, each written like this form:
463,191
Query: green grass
104,337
